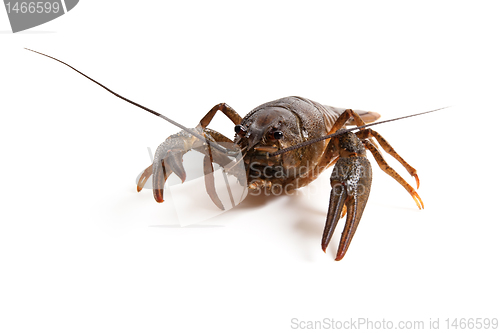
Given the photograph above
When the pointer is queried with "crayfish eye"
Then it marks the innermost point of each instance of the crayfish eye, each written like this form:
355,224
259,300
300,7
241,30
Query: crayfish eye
278,135
240,130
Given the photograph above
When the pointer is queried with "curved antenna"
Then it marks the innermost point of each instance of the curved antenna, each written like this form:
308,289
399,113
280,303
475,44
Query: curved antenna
213,144
344,130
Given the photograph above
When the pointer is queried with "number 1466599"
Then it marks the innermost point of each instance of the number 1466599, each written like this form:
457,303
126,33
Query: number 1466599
32,7
471,323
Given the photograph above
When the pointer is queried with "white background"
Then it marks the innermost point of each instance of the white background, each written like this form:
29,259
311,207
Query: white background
81,251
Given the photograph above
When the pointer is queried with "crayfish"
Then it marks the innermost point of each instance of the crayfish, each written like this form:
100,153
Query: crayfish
285,144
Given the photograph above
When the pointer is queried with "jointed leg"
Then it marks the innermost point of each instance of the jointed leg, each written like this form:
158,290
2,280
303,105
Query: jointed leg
369,133
224,108
344,118
391,172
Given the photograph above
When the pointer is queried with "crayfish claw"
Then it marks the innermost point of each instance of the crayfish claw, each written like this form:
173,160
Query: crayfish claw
174,161
210,182
158,195
344,211
338,197
160,176
354,211
351,183
168,159
144,177
157,183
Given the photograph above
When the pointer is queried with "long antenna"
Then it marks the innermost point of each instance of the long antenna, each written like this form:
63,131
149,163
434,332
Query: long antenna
342,131
213,144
